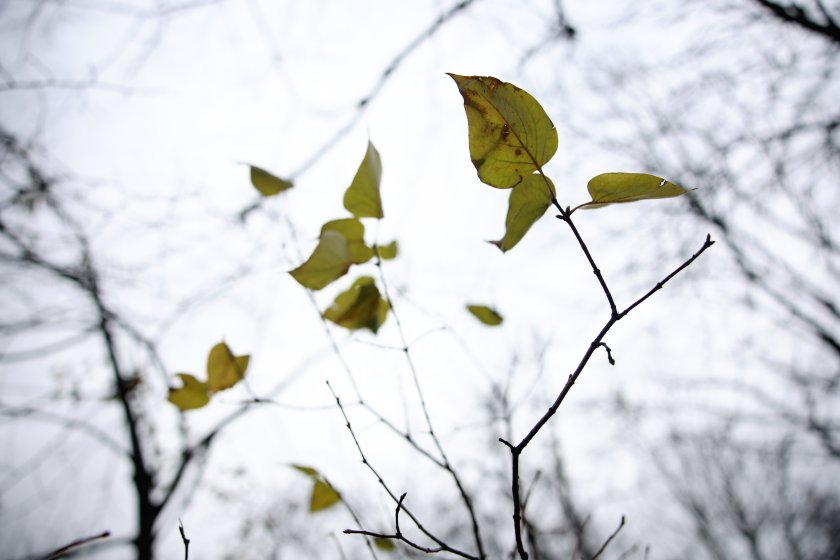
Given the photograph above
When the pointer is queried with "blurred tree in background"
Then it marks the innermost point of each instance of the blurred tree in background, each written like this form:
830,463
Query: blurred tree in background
717,442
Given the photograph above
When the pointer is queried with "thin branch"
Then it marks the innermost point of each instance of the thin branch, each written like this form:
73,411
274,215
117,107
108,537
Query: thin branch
80,85
794,14
93,431
615,316
447,465
566,216
609,539
58,553
358,521
362,104
185,540
706,244
441,544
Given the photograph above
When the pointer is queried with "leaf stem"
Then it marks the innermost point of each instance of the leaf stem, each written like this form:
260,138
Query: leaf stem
566,216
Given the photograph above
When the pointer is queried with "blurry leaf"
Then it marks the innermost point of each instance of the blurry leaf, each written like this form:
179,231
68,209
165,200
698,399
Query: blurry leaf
193,393
359,307
308,471
528,202
330,261
362,197
354,232
266,183
323,496
224,370
486,315
386,545
510,134
609,188
387,252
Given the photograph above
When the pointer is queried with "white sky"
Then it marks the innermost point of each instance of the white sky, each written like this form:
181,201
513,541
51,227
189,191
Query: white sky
268,83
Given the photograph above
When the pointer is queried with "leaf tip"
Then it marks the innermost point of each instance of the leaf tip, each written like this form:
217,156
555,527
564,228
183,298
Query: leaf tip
498,244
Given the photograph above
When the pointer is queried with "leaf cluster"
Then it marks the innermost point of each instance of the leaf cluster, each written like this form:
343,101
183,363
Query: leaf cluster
224,370
511,138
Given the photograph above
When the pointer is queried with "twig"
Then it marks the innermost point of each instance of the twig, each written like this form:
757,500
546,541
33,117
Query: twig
566,216
184,539
609,539
58,553
442,546
465,497
615,316
362,103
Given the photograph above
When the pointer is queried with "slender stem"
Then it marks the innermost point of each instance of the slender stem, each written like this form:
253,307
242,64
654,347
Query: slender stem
441,544
609,539
566,216
61,552
185,540
447,465
515,452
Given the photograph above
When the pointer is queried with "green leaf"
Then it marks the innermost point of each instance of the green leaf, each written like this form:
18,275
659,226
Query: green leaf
192,394
611,188
308,471
486,315
354,232
224,370
528,202
510,134
323,496
359,307
362,197
268,184
330,260
389,251
385,545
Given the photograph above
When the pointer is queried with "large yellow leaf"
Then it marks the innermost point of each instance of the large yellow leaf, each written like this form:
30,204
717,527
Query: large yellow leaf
354,232
510,134
224,370
486,315
192,394
330,260
362,197
528,202
323,496
611,188
266,183
359,307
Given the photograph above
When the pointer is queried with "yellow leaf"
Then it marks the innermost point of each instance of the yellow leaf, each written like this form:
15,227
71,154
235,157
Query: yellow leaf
308,471
192,394
486,315
354,232
362,197
610,188
388,251
224,370
330,261
359,307
266,183
510,134
528,202
323,496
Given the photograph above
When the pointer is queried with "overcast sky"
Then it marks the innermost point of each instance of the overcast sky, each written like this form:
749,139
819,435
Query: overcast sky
152,115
